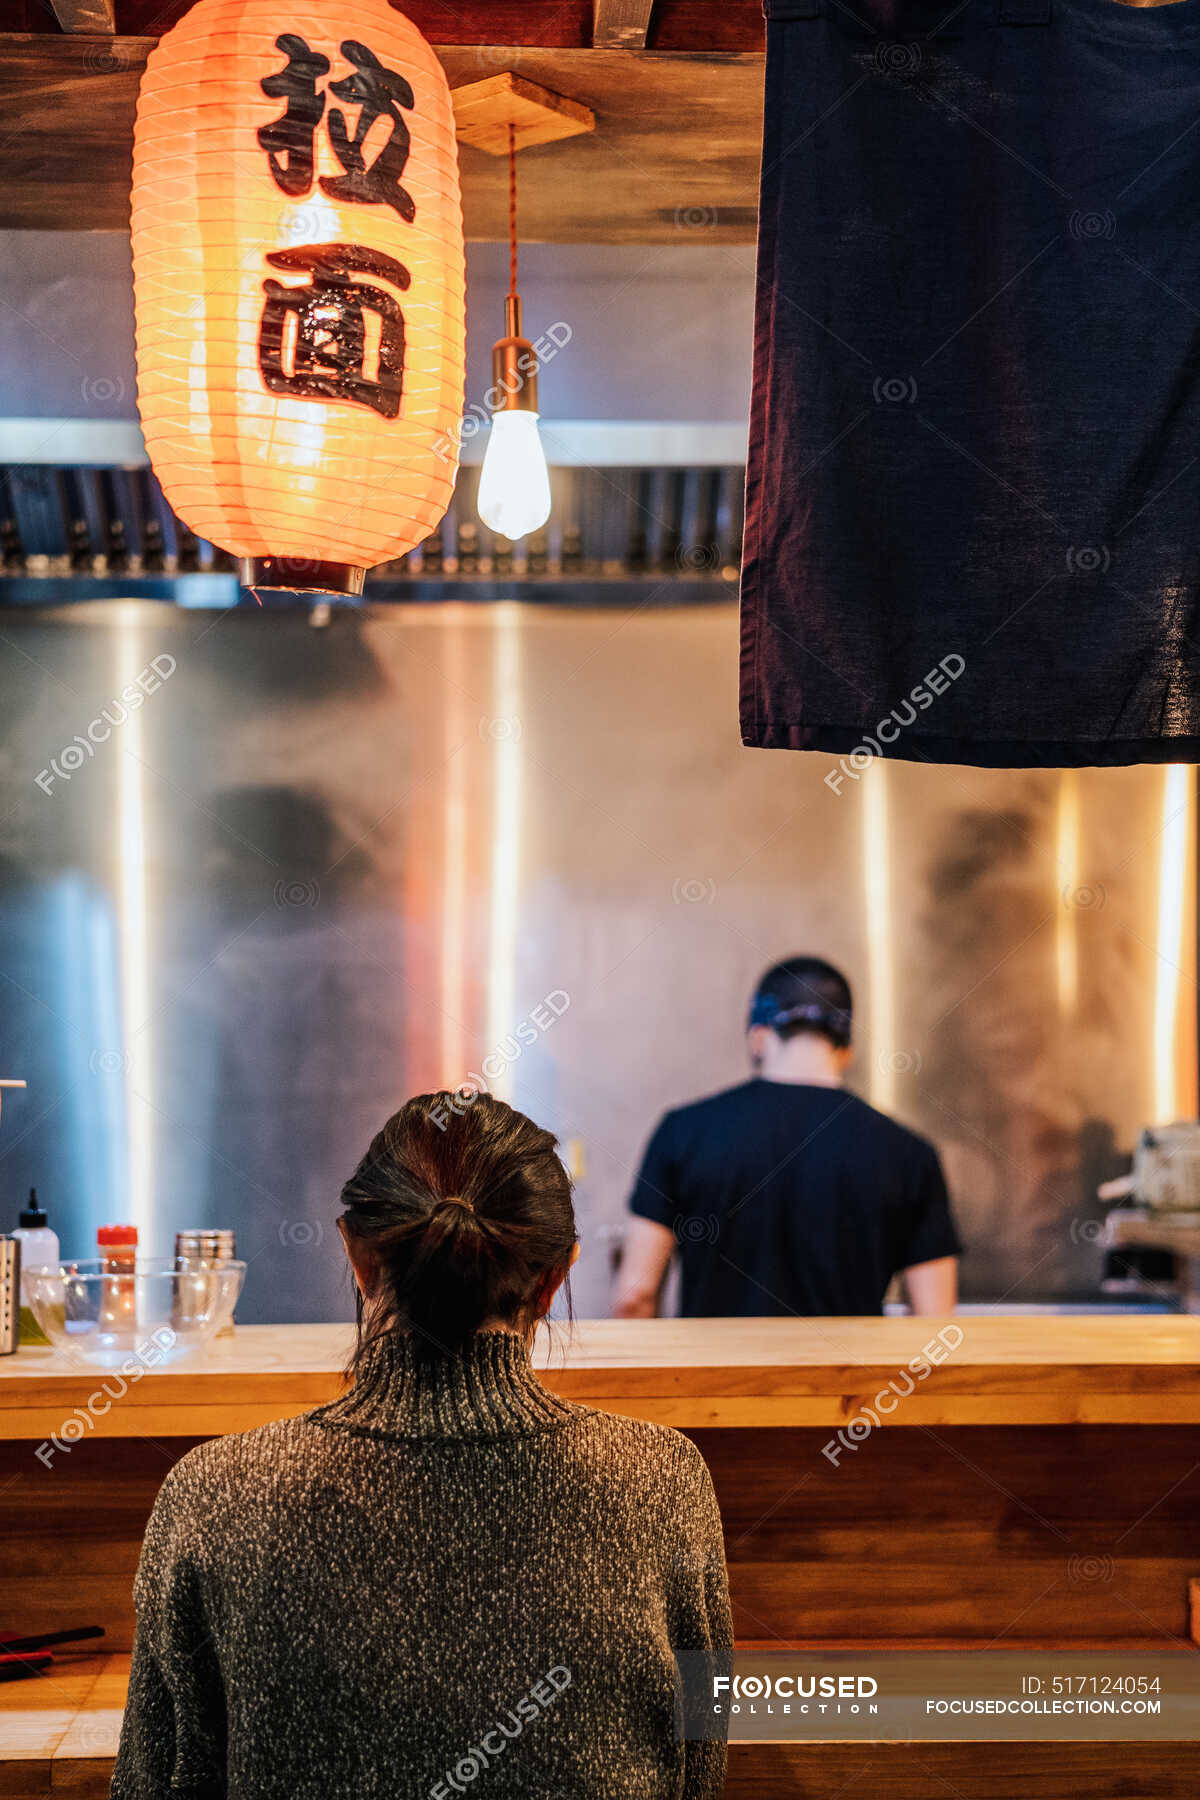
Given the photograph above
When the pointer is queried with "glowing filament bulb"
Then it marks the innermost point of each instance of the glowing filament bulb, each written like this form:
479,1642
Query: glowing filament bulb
514,483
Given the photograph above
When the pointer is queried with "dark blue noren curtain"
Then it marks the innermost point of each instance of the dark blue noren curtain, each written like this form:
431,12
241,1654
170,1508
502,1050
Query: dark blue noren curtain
973,493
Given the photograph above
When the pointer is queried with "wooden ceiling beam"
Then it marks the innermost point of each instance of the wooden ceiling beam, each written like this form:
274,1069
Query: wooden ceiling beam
676,25
674,157
621,24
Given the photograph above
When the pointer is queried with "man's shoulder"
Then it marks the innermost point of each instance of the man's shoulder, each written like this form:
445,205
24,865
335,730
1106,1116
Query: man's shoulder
883,1130
709,1107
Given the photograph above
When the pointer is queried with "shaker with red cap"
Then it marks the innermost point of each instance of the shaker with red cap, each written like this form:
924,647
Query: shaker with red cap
116,1246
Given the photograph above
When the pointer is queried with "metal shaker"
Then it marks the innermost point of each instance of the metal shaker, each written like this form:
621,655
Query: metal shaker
196,1251
10,1293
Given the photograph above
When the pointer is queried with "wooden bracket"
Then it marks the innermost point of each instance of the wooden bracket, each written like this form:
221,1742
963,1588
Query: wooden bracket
95,16
620,24
484,110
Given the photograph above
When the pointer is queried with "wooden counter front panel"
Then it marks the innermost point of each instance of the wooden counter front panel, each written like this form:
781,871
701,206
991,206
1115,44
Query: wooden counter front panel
1030,1533
966,1771
70,1535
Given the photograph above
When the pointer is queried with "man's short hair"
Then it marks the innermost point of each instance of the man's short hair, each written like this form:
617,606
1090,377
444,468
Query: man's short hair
804,994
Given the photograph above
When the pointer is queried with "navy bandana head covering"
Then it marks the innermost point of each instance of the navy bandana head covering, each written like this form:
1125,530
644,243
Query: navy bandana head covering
833,1021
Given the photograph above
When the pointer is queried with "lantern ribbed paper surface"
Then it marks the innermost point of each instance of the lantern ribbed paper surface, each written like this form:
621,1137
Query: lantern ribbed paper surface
298,278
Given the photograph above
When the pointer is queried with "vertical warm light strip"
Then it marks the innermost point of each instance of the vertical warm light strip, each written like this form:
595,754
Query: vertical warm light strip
1067,866
877,877
504,731
1187,1046
136,1205
454,1055
1173,907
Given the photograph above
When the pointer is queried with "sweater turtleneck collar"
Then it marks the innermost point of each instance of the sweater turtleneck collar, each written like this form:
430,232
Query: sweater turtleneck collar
488,1389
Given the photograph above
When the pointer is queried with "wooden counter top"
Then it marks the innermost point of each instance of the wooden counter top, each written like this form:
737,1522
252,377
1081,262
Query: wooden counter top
59,1731
689,1373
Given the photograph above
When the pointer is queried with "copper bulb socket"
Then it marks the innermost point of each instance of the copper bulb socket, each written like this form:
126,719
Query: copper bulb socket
514,365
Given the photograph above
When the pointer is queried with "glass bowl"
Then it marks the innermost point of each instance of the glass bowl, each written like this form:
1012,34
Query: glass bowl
150,1312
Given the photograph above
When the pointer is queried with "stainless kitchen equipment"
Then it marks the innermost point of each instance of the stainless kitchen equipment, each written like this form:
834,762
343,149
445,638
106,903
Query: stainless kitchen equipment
1163,1189
198,1249
204,1246
1166,1167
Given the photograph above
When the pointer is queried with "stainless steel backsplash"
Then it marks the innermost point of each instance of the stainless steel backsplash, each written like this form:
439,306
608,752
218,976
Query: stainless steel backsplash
314,870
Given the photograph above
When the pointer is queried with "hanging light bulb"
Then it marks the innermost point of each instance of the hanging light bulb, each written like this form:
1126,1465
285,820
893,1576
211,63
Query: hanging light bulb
514,483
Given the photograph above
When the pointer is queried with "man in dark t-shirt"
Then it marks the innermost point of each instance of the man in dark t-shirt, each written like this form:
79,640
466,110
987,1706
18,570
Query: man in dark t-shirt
789,1195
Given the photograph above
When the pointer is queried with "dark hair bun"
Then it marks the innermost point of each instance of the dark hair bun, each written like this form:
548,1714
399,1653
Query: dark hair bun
468,1209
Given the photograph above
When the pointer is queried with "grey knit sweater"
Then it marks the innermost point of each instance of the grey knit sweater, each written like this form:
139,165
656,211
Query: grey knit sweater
448,1582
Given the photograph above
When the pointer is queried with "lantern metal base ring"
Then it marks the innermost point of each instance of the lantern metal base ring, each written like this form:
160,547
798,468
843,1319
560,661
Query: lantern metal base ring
298,575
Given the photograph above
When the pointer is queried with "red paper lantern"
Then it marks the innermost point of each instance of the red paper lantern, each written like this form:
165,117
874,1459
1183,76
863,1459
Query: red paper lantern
298,279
